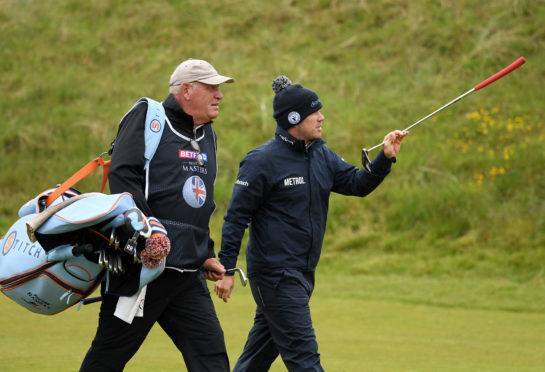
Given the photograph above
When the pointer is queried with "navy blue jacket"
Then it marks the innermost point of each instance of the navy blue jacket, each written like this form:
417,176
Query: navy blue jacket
282,191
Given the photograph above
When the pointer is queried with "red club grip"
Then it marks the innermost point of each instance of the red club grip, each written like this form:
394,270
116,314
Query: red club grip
519,62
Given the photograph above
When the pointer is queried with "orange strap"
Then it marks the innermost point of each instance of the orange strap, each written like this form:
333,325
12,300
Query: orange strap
78,176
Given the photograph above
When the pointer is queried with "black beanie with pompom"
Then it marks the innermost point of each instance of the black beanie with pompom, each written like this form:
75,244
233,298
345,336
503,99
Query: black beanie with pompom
292,103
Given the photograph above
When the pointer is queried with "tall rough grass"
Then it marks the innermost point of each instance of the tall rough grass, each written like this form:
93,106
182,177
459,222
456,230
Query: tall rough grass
466,195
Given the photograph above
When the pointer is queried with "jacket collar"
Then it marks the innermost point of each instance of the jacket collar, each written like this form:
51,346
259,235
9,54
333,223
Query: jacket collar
294,143
180,120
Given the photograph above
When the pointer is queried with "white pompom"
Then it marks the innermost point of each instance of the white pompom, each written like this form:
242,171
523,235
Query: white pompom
280,83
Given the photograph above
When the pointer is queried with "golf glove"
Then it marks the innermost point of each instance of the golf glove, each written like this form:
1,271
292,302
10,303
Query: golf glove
157,245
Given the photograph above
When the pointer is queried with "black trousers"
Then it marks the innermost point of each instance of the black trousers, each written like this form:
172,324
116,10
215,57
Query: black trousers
282,324
182,306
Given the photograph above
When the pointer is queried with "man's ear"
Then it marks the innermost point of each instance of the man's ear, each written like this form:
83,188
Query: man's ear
185,90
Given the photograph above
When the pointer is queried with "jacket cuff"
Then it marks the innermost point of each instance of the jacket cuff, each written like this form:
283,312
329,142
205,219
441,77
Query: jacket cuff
381,164
228,265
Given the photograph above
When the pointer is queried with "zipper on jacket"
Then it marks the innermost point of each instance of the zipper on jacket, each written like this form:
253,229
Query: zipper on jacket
195,145
307,160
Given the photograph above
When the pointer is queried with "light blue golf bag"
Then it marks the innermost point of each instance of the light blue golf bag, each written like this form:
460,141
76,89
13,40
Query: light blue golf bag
52,259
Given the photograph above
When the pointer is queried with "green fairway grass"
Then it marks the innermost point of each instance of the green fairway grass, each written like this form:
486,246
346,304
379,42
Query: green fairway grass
357,326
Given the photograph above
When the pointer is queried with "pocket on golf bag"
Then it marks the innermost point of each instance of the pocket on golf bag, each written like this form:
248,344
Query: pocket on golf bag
50,288
41,285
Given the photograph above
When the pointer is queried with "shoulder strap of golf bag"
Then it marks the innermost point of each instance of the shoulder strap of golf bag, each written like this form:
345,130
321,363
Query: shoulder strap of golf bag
78,176
153,130
155,123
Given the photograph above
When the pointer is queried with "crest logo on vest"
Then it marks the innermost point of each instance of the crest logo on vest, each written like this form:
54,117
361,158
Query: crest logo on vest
194,192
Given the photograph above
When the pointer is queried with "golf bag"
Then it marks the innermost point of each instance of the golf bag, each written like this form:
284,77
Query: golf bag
54,258
65,243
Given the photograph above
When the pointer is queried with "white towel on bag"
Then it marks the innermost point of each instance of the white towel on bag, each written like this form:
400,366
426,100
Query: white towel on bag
129,307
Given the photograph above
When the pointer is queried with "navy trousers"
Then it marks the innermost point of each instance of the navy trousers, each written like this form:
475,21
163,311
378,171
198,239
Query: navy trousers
182,306
282,324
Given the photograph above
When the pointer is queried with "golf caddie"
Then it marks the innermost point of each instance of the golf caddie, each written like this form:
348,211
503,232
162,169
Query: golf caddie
282,192
176,187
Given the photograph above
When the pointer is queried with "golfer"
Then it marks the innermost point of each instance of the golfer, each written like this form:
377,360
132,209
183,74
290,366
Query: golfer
282,191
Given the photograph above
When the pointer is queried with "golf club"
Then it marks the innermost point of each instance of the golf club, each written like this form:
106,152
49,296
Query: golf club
519,62
243,279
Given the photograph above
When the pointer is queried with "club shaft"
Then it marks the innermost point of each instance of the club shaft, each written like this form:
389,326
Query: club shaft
513,66
441,108
430,115
88,301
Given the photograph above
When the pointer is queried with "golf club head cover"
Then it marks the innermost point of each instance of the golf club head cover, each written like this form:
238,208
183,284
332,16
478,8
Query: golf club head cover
157,245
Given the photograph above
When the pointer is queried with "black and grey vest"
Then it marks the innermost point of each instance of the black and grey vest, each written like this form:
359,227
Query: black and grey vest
180,192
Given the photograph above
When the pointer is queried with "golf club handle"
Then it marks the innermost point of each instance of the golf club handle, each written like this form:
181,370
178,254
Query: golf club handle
519,62
85,248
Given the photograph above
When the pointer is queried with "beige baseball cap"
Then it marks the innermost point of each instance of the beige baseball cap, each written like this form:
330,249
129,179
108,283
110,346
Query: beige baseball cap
197,70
